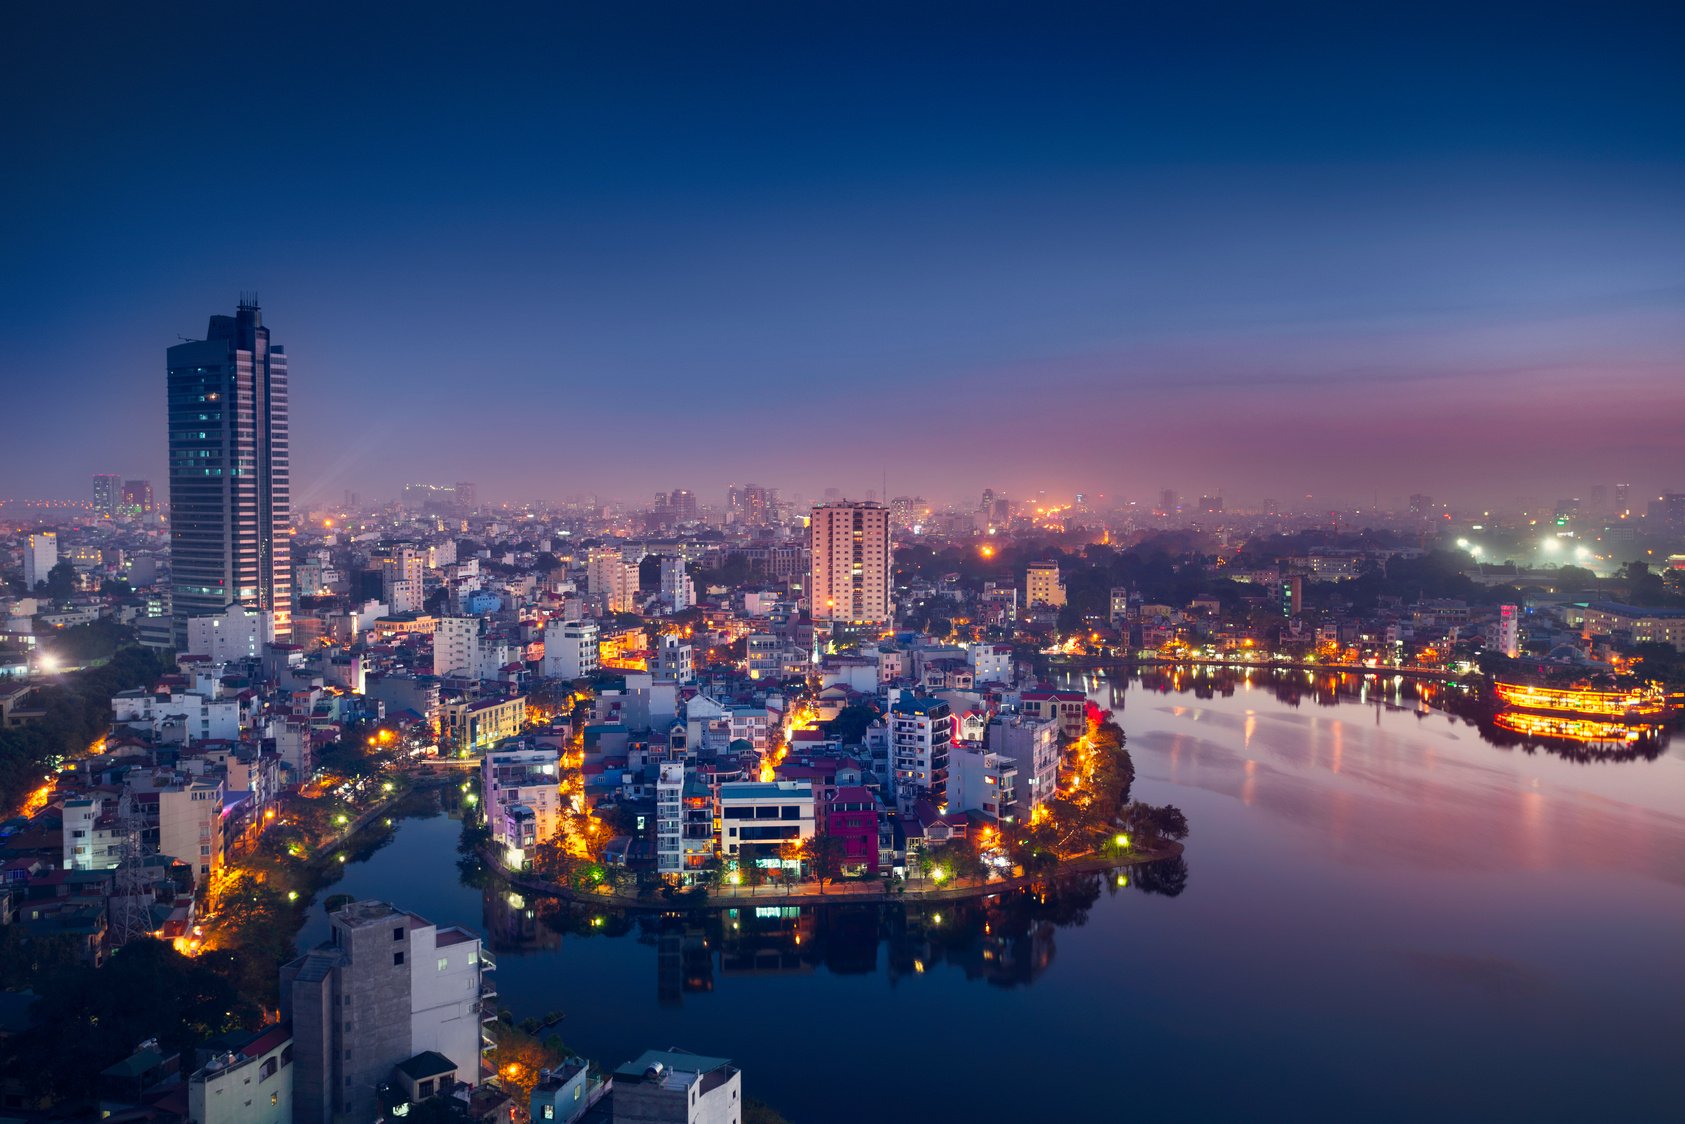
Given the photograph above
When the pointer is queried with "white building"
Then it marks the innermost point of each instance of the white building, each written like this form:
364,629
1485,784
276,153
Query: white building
195,716
522,799
613,580
236,633
570,649
850,567
247,1084
40,555
92,840
1509,631
990,663
678,592
757,819
674,659
455,643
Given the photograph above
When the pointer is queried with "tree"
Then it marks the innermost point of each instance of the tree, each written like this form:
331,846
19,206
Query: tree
60,583
824,855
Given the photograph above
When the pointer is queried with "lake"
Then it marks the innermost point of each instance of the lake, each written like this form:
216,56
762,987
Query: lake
1381,914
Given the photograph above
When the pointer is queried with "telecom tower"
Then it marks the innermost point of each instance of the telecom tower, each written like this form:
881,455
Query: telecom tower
131,898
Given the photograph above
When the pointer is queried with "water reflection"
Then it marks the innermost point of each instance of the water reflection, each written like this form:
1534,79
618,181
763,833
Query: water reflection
1006,940
1582,739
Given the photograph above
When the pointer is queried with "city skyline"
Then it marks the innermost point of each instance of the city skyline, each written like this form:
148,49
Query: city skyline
1296,252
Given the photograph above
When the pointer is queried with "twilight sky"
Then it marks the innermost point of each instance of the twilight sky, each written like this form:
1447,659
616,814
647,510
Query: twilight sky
1256,249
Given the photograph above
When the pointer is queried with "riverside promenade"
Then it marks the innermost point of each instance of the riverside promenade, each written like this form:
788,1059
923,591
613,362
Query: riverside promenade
835,893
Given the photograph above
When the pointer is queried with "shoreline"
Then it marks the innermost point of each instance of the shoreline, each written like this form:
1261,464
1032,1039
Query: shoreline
838,893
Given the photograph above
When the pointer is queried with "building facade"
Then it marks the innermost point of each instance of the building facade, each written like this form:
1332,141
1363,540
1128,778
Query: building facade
230,490
386,986
850,578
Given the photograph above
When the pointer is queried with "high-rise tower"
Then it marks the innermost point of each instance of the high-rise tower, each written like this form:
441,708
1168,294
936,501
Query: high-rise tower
851,570
230,498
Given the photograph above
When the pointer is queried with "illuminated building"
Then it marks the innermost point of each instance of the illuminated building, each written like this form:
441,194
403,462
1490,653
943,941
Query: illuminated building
920,733
467,726
136,498
678,593
106,487
522,799
1509,630
236,633
1042,586
230,491
1639,625
757,819
983,782
850,565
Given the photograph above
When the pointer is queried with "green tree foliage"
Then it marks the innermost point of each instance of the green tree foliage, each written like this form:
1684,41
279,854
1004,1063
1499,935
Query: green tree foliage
88,1018
78,710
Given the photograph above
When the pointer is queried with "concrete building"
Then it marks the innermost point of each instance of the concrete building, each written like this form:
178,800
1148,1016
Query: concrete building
230,476
249,1083
1509,630
40,555
757,818
187,717
1032,745
456,647
523,802
570,649
386,986
684,823
236,633
674,659
107,487
850,576
678,592
990,663
466,727
983,782
676,1087
1067,709
1635,625
1042,587
92,837
920,734
188,813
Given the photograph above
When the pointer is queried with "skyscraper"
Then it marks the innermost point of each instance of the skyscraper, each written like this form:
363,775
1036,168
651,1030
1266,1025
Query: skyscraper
230,498
106,486
851,571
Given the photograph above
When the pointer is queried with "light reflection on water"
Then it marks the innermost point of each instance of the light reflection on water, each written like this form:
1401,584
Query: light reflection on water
1385,916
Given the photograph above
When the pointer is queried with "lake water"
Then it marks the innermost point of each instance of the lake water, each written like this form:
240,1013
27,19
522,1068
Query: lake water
1382,915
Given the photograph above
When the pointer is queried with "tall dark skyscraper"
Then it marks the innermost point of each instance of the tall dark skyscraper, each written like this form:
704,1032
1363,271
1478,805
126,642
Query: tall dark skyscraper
230,500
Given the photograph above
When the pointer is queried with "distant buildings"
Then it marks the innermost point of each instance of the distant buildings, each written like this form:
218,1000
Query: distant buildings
230,491
106,489
851,567
40,555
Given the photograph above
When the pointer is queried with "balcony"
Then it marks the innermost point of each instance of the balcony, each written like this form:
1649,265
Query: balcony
488,963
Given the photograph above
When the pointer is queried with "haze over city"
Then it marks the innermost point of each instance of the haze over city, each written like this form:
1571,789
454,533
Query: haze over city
581,562
1086,247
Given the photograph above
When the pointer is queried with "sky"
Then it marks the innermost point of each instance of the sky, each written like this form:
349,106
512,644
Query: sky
1257,250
